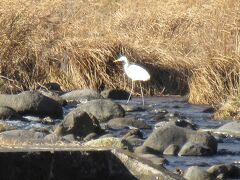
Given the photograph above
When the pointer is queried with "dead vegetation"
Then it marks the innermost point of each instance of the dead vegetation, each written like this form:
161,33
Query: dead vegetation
190,46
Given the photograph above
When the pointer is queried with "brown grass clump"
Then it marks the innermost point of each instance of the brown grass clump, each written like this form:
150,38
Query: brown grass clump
229,110
189,46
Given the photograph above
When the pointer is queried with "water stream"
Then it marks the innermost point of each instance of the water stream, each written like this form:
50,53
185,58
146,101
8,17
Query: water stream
228,147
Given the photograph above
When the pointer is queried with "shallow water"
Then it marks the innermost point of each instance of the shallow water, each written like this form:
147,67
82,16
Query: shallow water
228,148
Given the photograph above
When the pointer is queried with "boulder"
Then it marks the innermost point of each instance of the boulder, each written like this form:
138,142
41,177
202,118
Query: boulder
78,123
117,94
118,123
82,95
161,138
225,171
102,109
33,103
197,173
7,113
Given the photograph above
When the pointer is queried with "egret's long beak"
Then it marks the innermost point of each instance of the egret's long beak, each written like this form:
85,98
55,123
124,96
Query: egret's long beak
117,60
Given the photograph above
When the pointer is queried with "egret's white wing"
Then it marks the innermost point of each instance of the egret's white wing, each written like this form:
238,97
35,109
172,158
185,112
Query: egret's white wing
137,73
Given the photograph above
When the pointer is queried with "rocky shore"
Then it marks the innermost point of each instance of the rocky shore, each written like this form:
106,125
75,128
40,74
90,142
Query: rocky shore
93,117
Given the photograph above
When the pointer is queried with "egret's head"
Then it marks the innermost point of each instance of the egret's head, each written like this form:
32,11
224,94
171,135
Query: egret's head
123,59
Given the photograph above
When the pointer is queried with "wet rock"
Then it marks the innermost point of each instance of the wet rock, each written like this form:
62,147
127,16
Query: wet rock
209,110
78,123
172,149
223,171
102,109
134,137
21,137
184,123
157,160
53,96
82,95
193,149
118,94
136,133
169,134
91,136
132,108
7,113
197,173
118,123
32,102
231,128
108,142
134,142
160,115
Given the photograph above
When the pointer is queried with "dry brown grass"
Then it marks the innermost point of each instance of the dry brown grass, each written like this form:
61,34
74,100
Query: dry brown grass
188,45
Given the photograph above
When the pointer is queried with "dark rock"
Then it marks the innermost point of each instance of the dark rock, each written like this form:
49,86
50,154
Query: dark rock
172,149
21,137
197,173
117,94
209,110
225,171
82,95
102,109
118,123
53,86
133,133
78,123
31,102
184,124
169,134
160,114
7,113
193,149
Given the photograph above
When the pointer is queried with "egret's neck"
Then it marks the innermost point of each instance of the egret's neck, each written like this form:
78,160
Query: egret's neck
125,65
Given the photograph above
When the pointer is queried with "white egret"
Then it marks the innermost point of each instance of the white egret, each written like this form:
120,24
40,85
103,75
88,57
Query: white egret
135,73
